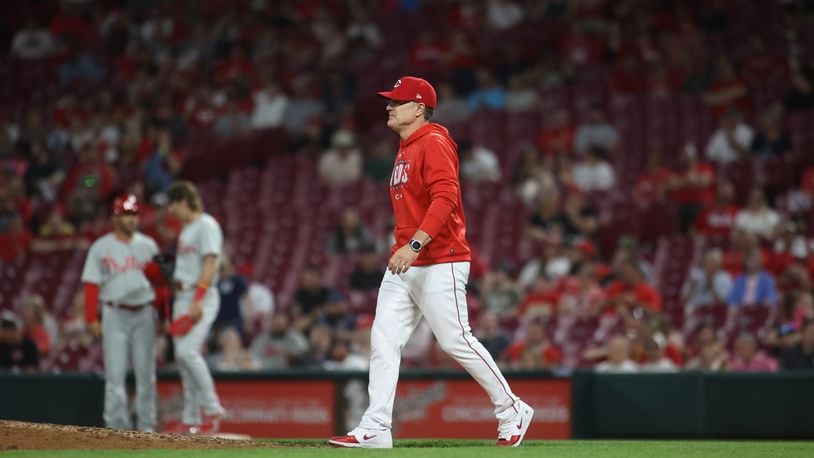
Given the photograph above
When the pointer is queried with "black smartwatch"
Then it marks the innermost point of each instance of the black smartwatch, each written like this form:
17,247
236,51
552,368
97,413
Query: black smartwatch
415,245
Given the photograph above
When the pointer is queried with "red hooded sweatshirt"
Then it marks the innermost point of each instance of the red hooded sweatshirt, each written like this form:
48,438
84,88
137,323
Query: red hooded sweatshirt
426,195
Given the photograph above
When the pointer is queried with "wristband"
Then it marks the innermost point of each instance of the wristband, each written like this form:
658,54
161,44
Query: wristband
200,292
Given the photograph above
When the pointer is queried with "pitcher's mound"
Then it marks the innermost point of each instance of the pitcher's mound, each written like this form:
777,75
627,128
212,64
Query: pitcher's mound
16,435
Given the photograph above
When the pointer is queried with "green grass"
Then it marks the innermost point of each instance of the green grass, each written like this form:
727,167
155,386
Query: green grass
477,449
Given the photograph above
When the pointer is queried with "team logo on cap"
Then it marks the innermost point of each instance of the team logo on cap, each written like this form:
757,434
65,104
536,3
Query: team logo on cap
418,96
398,83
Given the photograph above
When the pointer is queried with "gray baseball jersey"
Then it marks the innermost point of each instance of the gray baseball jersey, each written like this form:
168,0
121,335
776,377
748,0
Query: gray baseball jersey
199,238
116,266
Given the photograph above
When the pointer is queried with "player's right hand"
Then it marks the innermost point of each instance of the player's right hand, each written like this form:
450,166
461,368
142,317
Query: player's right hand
95,329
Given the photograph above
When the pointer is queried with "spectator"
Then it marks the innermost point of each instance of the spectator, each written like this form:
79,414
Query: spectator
38,325
56,227
630,291
232,288
320,339
491,335
594,173
741,244
757,217
708,284
17,352
710,358
755,286
363,28
651,185
581,295
618,357
747,357
801,355
257,304
499,292
350,236
731,141
270,104
488,93
540,301
718,219
163,165
574,220
478,164
233,122
342,164
503,14
557,136
367,276
521,95
771,140
379,165
231,355
15,240
309,298
596,132
44,175
692,187
302,108
335,315
32,42
656,362
727,90
451,108
343,359
280,348
535,341
802,309
533,178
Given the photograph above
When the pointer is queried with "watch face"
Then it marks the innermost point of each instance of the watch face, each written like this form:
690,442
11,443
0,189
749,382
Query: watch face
416,245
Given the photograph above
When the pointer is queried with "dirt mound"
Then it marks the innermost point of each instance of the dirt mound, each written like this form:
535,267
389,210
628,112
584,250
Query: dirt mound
15,435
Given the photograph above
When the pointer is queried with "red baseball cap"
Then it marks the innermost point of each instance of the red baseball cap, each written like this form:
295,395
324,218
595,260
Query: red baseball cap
126,204
412,89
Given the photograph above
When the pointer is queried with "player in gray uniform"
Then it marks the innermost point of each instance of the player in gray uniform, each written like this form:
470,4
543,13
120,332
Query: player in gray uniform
113,276
197,263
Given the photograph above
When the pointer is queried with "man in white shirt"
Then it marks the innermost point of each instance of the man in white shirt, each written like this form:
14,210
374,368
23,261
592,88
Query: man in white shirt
594,173
618,357
342,164
731,141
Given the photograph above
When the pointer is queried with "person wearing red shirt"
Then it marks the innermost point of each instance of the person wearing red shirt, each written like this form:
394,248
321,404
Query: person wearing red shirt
557,137
16,241
718,219
630,291
547,354
692,186
427,272
650,186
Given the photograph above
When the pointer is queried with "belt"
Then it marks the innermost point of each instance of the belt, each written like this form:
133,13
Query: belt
129,308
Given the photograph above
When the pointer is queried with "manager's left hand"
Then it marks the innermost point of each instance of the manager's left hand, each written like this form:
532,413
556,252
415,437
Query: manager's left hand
401,260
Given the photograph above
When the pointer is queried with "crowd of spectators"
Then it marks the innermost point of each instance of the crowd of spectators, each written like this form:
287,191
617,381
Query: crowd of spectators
131,83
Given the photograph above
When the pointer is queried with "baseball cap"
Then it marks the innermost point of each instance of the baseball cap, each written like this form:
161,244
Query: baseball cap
126,204
412,89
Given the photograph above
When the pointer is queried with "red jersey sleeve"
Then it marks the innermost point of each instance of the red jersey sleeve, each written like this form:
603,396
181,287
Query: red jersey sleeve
441,176
91,302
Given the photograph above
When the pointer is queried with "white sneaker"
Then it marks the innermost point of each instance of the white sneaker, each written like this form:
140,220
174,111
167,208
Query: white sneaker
512,431
364,438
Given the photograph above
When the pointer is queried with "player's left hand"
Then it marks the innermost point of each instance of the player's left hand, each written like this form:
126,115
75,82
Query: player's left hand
401,260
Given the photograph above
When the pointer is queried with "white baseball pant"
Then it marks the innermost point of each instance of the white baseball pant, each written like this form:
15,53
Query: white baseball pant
199,388
123,332
438,292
